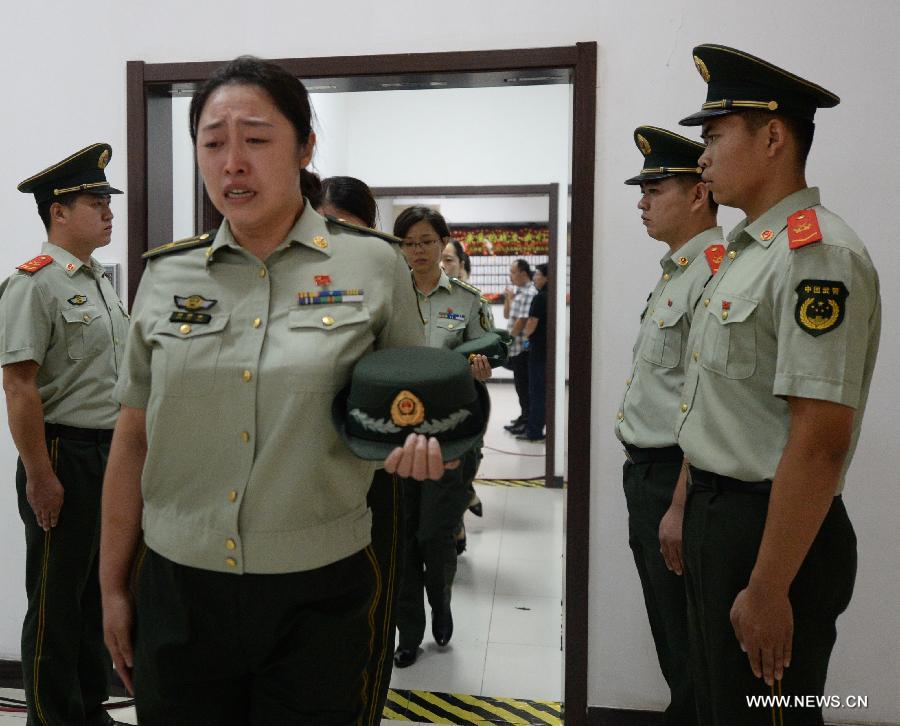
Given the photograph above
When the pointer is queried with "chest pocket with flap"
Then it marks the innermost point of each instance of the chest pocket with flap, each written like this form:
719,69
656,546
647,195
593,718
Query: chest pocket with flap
186,359
664,337
729,345
86,331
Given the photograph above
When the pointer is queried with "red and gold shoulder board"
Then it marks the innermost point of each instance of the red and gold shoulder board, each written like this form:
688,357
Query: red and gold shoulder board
35,264
714,256
803,229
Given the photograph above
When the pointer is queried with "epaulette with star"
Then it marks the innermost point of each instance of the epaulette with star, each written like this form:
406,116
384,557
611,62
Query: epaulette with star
466,286
803,229
35,264
180,245
364,230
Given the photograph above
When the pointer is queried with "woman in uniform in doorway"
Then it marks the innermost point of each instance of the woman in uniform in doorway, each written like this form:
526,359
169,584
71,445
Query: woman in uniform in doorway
451,312
250,599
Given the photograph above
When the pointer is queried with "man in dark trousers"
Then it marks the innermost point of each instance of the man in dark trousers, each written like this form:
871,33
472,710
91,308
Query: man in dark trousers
782,354
62,335
676,209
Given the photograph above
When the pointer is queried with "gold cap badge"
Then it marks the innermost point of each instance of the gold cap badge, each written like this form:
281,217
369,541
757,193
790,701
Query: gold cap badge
103,160
643,145
407,409
701,67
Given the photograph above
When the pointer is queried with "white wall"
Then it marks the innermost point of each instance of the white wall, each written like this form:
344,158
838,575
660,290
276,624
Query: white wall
65,87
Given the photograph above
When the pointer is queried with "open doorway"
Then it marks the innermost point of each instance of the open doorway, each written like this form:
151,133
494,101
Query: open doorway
151,90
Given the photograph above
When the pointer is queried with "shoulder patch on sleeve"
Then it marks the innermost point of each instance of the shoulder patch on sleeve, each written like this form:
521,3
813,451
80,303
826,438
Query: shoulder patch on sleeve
714,256
820,305
188,243
35,264
362,230
803,229
466,286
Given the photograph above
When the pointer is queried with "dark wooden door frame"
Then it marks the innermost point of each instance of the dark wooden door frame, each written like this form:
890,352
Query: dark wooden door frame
150,171
551,191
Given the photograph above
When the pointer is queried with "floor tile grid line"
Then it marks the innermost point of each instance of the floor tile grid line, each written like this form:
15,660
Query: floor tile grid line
493,598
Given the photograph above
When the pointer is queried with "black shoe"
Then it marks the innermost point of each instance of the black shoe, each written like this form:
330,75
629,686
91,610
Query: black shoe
460,545
475,506
405,657
526,437
442,625
516,430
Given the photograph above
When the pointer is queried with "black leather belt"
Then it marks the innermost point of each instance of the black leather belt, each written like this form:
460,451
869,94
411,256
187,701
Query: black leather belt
665,454
707,481
74,433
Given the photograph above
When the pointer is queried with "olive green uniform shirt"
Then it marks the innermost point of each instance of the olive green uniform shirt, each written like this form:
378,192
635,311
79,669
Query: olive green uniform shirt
778,322
649,409
68,319
244,470
452,313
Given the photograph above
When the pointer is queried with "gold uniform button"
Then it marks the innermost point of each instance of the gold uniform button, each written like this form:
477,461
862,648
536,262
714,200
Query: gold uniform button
262,272
232,496
231,562
185,329
666,276
661,324
230,544
245,437
724,315
684,408
246,375
327,321
732,254
696,355
706,303
257,322
620,415
627,381
682,261
450,326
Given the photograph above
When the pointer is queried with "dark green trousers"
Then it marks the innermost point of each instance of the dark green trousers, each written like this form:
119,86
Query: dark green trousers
722,533
65,664
431,514
215,649
648,492
385,500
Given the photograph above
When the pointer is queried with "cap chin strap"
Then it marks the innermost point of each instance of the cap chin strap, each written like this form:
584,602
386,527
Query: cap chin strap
79,188
728,103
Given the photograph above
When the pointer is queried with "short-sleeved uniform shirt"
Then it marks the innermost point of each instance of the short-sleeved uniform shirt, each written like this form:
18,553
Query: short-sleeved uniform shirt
236,362
68,319
777,322
519,308
647,415
452,313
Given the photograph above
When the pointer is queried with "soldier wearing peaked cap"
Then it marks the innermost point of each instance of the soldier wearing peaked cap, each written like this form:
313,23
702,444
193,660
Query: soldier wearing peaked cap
782,354
676,209
62,336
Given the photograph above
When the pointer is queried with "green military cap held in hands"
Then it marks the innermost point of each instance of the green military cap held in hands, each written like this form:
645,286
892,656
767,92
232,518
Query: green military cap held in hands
398,391
493,345
665,154
738,81
81,173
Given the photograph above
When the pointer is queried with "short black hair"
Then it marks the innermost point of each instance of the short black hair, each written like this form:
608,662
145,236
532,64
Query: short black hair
352,195
689,180
420,213
802,130
287,93
67,200
524,266
461,253
544,267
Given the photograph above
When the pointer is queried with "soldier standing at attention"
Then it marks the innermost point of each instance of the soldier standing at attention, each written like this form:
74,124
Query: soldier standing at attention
676,209
62,335
782,354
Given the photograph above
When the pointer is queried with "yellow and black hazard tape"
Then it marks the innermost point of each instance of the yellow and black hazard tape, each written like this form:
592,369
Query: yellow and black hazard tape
461,709
529,483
